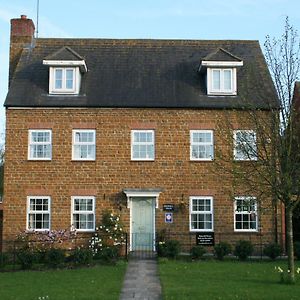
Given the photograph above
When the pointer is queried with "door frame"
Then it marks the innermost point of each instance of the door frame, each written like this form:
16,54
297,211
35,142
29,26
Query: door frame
153,220
142,193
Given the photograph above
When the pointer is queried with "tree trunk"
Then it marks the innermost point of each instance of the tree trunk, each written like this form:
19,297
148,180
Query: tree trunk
290,244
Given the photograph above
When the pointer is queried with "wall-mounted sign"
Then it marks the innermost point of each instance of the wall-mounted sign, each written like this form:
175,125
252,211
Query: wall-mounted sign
205,238
168,207
168,217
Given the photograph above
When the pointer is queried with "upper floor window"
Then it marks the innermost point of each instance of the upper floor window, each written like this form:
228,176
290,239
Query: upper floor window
201,213
201,145
221,81
64,80
142,144
245,214
40,144
83,213
245,147
38,213
84,144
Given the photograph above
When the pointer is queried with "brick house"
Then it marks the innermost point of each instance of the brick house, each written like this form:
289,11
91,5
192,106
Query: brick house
132,126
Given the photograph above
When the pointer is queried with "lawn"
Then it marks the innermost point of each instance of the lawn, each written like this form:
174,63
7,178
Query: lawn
224,280
99,282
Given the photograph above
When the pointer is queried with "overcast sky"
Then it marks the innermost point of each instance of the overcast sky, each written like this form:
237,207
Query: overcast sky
162,19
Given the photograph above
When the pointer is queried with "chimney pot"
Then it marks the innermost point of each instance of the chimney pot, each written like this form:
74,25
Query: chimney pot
24,17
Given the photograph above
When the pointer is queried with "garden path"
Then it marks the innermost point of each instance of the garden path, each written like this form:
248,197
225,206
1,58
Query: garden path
141,280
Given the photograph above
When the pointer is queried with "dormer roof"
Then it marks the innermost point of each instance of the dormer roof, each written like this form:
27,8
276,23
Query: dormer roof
221,54
65,56
220,58
64,53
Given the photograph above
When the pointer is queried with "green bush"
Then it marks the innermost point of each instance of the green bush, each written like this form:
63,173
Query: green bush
107,254
222,249
54,257
272,251
170,248
243,249
3,259
26,258
81,256
297,249
197,252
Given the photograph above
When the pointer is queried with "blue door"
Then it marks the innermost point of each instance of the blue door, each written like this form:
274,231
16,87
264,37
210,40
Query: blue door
142,224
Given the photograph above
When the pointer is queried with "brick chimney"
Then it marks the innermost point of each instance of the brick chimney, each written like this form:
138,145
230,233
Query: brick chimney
21,36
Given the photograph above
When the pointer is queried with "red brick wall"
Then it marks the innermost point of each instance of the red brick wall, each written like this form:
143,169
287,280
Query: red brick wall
113,170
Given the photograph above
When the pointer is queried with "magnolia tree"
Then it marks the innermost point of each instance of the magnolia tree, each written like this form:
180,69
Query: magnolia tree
270,150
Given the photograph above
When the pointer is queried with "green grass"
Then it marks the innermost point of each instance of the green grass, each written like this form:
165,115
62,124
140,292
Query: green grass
99,282
225,280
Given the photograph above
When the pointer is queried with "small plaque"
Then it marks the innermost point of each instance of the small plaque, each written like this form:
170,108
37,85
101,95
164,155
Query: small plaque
168,207
168,217
205,238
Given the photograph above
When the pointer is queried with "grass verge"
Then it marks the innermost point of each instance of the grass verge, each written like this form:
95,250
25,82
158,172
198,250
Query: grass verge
224,280
99,282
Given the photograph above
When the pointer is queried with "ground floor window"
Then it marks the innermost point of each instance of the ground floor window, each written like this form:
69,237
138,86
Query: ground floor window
245,214
83,213
201,213
38,213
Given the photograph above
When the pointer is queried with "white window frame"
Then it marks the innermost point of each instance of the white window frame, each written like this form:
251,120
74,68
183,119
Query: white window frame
211,212
74,143
31,143
192,143
142,143
81,212
236,143
35,212
222,90
64,90
246,198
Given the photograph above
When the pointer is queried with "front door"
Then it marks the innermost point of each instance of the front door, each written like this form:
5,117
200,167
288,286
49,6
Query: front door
142,224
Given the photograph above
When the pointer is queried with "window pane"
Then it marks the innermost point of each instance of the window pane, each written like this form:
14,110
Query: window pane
216,74
227,79
58,79
69,79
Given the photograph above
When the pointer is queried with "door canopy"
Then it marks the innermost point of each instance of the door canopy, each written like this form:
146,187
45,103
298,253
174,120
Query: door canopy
149,193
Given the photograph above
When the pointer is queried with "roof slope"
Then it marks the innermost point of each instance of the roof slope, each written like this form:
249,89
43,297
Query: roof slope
142,73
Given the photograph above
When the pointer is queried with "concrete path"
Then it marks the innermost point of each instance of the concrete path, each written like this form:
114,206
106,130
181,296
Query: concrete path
141,280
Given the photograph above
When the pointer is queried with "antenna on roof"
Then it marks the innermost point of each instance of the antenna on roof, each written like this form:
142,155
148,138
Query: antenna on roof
37,18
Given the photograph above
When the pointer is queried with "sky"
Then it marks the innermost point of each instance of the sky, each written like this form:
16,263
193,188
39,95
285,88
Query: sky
150,19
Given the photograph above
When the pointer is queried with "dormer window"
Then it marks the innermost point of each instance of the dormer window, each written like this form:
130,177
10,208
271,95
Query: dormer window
221,81
64,80
221,72
65,71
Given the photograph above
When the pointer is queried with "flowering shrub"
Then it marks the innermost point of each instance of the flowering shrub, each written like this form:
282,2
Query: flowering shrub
45,239
108,237
285,275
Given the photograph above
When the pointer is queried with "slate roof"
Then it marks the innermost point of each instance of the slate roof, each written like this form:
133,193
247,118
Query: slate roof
142,73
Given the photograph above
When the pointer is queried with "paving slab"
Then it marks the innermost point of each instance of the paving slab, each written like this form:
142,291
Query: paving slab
141,280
